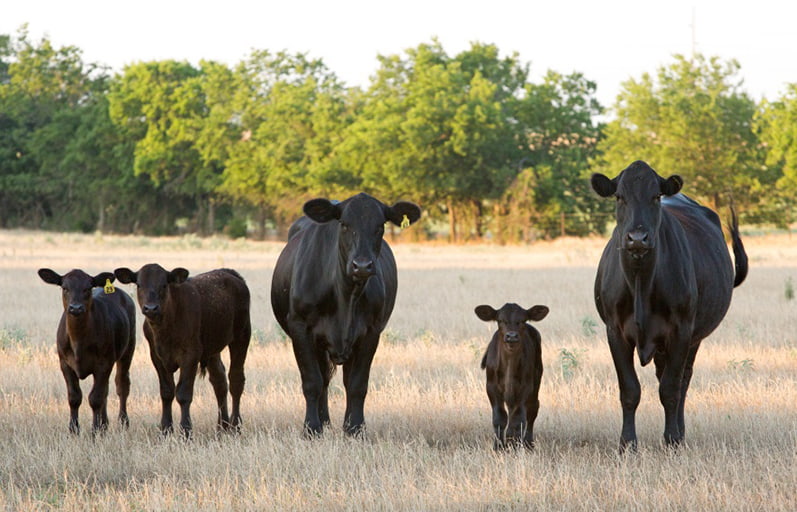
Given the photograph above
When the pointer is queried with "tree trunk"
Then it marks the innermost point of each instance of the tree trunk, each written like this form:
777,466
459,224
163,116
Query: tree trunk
478,220
197,224
452,223
211,227
101,216
260,223
498,229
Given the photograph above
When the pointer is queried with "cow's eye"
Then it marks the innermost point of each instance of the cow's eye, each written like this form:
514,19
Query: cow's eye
344,227
620,200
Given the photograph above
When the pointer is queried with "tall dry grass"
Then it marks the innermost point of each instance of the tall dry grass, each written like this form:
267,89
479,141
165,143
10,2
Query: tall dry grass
428,445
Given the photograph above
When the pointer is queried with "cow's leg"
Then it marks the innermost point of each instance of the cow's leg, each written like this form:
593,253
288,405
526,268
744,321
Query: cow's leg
630,391
327,371
74,396
532,408
166,385
218,379
238,351
687,378
660,361
98,399
670,392
499,412
516,425
356,372
312,379
185,394
122,380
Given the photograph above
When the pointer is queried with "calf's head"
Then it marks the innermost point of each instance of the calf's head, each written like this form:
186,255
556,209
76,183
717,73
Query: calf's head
76,287
511,319
152,287
638,190
360,226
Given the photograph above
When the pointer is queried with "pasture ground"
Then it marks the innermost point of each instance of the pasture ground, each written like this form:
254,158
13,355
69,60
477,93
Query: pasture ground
428,443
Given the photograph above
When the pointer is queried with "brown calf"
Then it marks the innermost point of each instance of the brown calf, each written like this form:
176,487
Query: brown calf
188,323
96,331
513,361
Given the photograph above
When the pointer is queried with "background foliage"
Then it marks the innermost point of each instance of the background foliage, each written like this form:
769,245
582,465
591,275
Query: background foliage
169,146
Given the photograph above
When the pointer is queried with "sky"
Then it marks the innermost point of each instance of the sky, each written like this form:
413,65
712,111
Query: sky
608,41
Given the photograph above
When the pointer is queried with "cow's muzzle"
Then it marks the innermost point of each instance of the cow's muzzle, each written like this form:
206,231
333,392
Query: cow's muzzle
151,311
361,269
76,309
637,243
512,337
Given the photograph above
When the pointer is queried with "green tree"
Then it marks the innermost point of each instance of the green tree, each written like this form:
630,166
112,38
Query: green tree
436,129
559,135
279,125
162,106
777,125
44,92
693,119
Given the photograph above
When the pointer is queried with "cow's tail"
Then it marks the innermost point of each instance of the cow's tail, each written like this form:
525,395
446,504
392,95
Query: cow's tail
739,256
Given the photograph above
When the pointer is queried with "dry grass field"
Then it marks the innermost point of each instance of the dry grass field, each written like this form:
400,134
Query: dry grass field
428,444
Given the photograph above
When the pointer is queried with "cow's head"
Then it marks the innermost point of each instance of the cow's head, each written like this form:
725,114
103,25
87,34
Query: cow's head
361,224
511,318
152,287
76,287
638,190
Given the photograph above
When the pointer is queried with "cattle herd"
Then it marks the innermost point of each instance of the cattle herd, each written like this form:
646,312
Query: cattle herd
664,282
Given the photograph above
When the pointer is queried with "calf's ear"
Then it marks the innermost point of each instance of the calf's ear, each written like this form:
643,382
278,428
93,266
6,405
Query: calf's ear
401,209
177,276
672,185
99,279
50,276
321,210
486,313
537,313
603,185
125,275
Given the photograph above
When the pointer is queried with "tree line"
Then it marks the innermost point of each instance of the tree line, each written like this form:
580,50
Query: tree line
167,146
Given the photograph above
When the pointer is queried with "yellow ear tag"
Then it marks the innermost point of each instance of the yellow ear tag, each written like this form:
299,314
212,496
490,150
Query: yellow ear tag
109,287
405,222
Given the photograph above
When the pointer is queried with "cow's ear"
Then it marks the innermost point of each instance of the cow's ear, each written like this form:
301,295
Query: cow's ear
177,276
400,210
321,210
486,313
671,185
603,185
125,275
99,279
50,276
537,313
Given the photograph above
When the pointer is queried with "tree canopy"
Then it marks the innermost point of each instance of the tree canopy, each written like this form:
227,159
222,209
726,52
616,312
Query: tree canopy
694,120
168,145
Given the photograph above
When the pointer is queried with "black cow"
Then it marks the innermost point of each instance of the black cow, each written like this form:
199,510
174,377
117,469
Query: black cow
333,289
97,331
513,364
188,322
664,283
